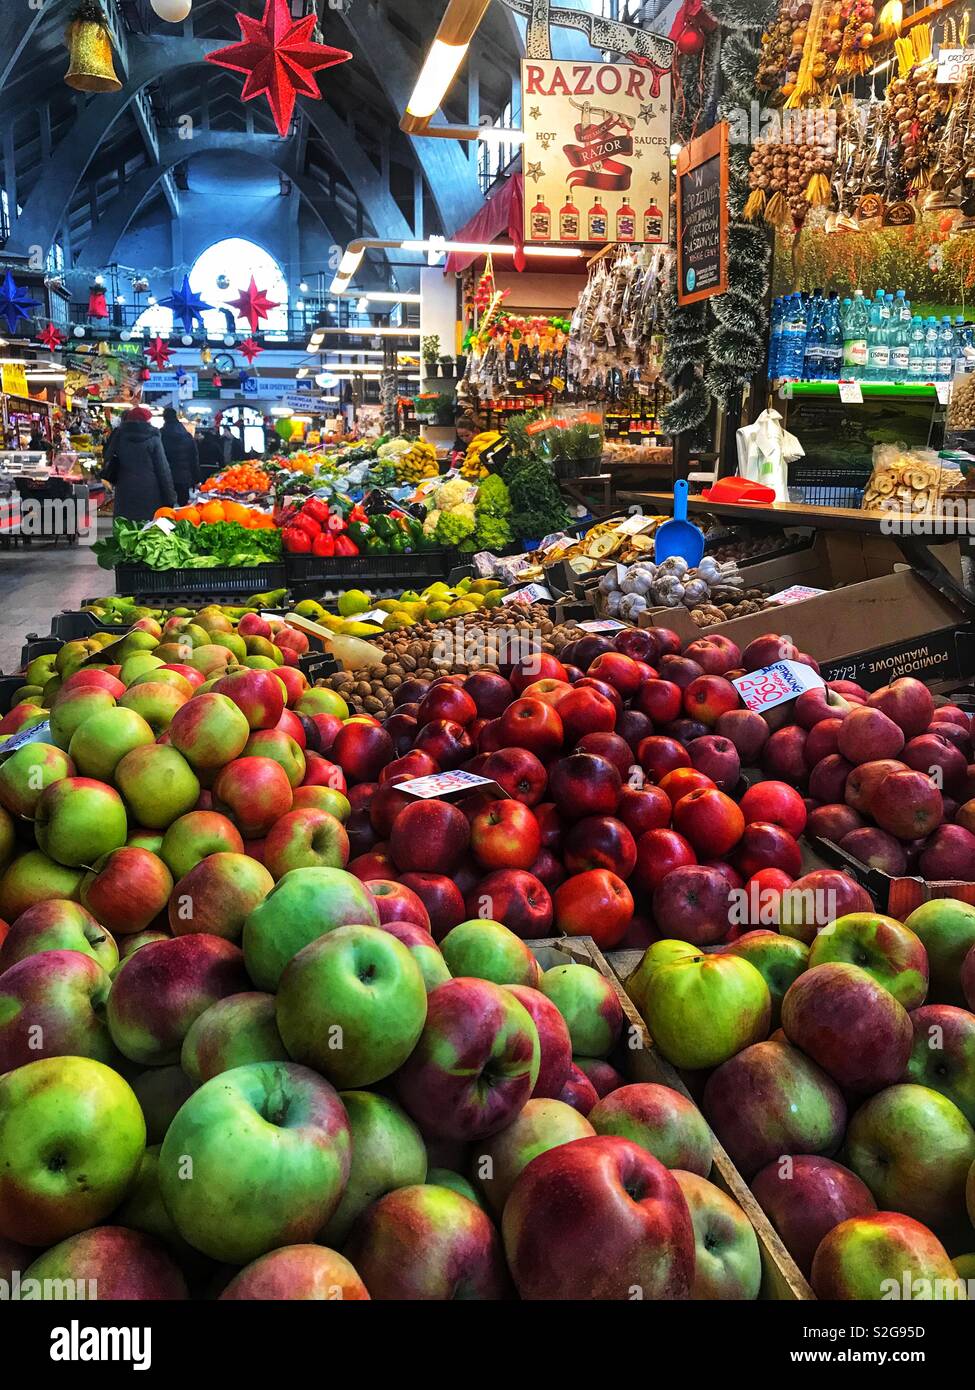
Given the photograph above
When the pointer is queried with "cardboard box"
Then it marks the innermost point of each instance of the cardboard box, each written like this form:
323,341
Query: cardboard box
870,632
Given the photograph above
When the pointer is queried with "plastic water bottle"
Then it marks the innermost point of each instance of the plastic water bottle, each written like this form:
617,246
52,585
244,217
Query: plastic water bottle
833,352
900,349
793,339
815,349
930,373
946,350
902,306
879,304
915,357
963,340
775,339
878,344
855,346
888,314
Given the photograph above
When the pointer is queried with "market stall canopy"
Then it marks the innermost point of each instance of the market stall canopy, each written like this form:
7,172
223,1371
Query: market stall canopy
501,215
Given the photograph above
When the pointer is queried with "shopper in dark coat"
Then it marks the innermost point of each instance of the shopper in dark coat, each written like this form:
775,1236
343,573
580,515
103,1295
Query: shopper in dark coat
212,454
182,453
137,467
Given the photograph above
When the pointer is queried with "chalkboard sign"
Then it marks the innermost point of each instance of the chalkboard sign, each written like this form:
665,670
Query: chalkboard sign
702,216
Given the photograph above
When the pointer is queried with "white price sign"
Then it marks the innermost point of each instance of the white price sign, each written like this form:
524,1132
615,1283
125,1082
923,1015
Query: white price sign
943,388
850,393
532,593
444,784
953,65
795,594
601,625
375,615
774,685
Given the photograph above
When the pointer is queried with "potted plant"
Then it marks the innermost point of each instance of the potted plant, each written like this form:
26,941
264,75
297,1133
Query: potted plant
430,348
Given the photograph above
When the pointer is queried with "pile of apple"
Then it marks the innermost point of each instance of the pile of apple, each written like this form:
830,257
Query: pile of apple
219,1047
840,1077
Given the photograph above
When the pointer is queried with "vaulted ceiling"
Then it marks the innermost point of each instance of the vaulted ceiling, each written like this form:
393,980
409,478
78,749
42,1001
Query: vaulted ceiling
81,168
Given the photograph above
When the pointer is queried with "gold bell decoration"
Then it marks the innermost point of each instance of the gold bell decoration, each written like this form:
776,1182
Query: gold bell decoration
92,66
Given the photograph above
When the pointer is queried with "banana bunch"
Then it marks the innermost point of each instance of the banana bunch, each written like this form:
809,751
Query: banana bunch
473,469
419,463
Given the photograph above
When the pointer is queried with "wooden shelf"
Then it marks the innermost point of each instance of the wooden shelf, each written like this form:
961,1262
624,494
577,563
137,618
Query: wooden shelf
934,529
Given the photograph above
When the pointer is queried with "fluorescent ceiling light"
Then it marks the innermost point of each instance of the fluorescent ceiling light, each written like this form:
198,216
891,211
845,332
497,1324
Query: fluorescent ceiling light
379,332
436,76
477,248
386,297
354,352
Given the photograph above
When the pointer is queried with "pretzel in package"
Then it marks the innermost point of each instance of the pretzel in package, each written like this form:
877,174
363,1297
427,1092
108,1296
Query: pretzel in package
903,480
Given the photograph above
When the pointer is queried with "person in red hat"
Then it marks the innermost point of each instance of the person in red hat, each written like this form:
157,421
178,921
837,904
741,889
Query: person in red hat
137,468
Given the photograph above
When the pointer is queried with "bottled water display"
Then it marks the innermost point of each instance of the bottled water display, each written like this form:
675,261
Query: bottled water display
818,337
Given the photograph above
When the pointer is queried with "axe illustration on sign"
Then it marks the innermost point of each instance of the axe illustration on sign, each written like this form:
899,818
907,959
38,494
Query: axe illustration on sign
605,35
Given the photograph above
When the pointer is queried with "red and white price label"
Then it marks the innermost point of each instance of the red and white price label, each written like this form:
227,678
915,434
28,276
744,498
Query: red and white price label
532,593
601,625
444,784
774,685
795,594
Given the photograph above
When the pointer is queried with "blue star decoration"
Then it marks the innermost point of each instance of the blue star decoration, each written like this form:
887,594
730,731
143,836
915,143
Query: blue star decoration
15,302
186,305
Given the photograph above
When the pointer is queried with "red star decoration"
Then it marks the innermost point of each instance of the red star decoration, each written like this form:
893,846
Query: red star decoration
217,380
159,353
253,305
52,338
278,55
250,349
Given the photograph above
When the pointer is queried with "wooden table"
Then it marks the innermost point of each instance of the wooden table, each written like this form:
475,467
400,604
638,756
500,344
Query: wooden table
871,523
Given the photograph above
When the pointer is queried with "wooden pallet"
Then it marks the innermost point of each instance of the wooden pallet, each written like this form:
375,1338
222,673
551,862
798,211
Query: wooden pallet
782,1279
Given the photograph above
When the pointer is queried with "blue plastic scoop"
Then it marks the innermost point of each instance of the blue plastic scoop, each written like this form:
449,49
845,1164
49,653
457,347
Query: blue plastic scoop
680,536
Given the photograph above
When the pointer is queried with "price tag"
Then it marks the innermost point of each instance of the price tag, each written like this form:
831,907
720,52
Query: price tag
161,523
532,593
850,393
774,685
795,594
37,733
943,388
953,64
601,625
635,525
445,784
375,615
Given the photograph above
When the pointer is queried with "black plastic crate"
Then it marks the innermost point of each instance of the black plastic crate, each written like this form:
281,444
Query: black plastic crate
364,569
9,685
815,486
72,625
254,579
38,646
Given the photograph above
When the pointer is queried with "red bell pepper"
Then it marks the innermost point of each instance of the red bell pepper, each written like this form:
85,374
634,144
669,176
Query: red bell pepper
316,509
296,540
324,545
308,524
359,513
345,546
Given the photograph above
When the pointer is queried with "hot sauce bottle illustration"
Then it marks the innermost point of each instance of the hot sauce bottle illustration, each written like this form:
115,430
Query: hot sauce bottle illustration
569,221
653,224
625,223
541,221
598,222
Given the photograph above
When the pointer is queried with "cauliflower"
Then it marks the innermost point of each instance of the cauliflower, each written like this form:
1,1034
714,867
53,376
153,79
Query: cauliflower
452,495
430,525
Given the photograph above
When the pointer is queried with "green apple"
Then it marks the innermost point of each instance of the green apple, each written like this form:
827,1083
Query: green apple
320,700
34,878
41,669
257,1158
137,665
728,1264
210,731
701,1009
78,820
211,659
497,1161
164,676
486,950
589,1005
72,1137
352,1005
231,1033
883,947
73,707
302,906
234,644
99,744
387,1152
52,1004
158,785
657,954
157,702
446,1177
218,894
780,960
946,927
321,799
27,773
8,838
58,925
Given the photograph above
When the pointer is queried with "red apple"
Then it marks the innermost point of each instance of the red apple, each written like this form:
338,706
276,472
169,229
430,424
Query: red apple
864,780
747,730
658,755
939,758
553,1037
537,666
609,746
584,785
718,759
448,743
254,792
876,849
707,698
362,751
691,904
827,780
429,837
616,1188
776,803
441,897
446,702
710,821
127,889
949,854
849,1024
822,741
633,726
767,650
806,1198
766,846
491,693
608,692
578,1091
907,702
818,899
681,782
658,852
867,734
833,821
907,804
505,835
619,671
599,842
679,670
714,658
641,809
660,700
784,755
515,898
